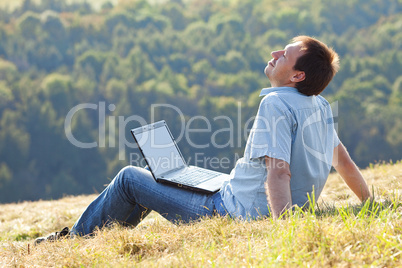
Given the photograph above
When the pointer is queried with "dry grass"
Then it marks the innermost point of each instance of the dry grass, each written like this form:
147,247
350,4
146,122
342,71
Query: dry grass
345,234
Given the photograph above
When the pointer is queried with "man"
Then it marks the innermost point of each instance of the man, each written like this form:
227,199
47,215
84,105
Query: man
288,155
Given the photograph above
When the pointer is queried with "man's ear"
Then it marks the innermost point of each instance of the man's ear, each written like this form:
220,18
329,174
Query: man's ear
298,77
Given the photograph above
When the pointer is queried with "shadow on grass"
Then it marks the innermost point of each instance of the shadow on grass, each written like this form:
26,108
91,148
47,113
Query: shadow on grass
369,208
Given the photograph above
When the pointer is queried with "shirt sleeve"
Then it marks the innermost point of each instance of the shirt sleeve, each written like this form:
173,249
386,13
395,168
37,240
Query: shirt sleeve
271,134
337,141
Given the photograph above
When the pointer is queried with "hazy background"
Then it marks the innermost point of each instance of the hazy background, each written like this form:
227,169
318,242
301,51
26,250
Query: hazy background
206,58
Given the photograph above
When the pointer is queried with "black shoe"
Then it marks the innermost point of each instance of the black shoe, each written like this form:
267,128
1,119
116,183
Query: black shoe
65,233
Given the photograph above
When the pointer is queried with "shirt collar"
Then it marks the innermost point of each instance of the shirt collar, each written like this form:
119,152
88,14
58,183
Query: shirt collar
267,90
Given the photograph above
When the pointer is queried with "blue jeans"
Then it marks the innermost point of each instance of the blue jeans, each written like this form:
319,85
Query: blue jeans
133,193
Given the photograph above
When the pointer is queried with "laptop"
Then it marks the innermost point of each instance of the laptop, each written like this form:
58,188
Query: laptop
167,164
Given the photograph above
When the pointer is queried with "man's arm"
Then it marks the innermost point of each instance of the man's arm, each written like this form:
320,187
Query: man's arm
350,173
277,186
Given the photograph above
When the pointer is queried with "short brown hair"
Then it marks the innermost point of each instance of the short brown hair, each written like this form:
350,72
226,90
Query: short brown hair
319,63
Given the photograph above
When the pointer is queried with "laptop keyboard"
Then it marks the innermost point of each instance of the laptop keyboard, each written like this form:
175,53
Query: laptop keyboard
195,176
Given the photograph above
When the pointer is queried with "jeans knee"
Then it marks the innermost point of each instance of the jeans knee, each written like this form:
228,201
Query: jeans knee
127,170
126,174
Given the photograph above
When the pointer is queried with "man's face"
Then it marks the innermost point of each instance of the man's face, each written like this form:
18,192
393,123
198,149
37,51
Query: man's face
280,69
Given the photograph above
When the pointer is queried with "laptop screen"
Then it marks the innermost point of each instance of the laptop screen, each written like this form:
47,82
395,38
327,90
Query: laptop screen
159,148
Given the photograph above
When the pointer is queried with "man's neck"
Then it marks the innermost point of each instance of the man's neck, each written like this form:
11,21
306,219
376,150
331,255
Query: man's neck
290,84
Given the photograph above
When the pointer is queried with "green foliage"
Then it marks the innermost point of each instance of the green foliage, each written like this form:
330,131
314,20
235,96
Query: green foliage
204,57
115,91
396,96
176,15
8,70
91,63
232,62
6,96
29,24
5,174
58,90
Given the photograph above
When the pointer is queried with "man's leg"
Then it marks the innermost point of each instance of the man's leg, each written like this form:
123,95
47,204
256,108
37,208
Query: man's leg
133,193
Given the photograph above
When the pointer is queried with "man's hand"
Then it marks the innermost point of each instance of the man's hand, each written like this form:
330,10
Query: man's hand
277,186
348,170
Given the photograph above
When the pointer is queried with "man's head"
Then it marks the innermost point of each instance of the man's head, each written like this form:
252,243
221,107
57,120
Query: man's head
306,64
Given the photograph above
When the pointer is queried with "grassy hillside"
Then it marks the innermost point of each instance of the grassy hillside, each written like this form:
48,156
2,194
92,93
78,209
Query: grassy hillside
339,232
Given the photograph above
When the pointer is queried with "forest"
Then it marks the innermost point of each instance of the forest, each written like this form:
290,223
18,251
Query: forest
70,72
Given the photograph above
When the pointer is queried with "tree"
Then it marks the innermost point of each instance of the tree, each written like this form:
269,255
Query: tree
91,63
57,89
176,15
232,62
29,24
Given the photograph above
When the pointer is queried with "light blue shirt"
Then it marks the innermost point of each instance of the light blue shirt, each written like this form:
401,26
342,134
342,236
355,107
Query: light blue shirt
289,126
